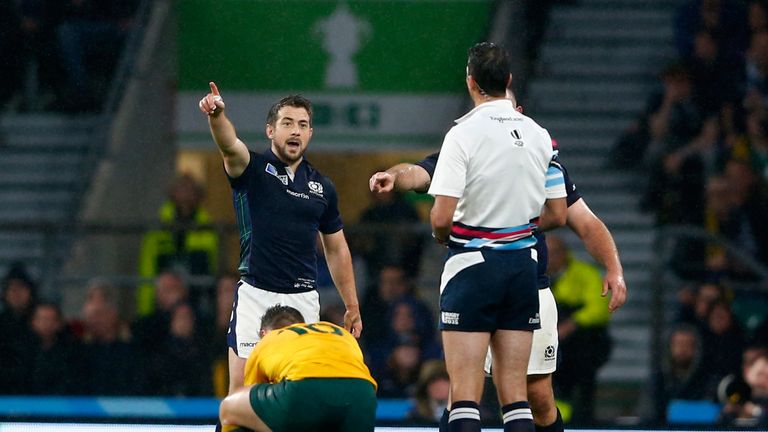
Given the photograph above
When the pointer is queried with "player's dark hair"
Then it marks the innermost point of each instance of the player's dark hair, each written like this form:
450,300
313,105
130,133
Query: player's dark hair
296,101
279,316
489,65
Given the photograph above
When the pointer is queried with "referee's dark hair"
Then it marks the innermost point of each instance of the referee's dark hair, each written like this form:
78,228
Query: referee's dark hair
489,65
296,101
278,316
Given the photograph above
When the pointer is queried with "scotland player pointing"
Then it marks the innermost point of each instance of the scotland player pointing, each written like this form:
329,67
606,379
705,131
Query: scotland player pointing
281,202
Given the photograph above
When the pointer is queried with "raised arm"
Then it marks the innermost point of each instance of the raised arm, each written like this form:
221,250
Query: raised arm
599,243
340,265
233,151
402,177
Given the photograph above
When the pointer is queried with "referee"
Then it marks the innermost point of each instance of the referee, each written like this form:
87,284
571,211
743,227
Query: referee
489,185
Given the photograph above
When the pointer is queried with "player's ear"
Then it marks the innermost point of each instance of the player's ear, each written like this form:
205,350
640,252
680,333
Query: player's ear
270,131
470,83
262,333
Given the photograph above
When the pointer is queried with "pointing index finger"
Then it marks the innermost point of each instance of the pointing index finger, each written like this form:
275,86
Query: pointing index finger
214,89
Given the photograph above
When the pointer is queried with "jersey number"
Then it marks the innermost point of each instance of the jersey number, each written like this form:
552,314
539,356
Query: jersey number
317,328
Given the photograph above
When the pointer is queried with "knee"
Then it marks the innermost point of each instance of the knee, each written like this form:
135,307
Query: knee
542,401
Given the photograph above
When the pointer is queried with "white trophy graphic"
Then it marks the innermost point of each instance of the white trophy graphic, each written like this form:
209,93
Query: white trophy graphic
343,34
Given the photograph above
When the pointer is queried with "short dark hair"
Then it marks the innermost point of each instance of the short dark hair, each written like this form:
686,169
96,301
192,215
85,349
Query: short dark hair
296,101
278,316
489,65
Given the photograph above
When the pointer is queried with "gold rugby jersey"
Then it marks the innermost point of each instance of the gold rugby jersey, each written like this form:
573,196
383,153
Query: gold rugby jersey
298,351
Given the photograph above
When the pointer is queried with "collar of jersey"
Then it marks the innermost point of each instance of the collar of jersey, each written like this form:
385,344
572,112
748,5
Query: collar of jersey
273,158
495,104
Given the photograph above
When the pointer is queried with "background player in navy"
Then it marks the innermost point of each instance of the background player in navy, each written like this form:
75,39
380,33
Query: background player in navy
281,203
592,232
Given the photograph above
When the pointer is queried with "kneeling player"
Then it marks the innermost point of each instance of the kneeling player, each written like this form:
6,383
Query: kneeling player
302,377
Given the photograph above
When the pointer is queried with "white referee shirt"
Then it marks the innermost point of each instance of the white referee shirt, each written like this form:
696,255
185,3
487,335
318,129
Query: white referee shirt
495,161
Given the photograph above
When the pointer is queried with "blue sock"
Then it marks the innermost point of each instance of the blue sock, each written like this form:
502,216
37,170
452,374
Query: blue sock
464,417
517,417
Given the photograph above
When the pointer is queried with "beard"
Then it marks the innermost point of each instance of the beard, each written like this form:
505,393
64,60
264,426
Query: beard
289,154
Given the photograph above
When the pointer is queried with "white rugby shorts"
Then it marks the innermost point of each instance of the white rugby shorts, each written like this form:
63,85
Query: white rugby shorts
543,358
250,305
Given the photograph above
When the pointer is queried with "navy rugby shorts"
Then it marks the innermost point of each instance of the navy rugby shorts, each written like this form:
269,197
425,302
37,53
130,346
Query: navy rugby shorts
483,290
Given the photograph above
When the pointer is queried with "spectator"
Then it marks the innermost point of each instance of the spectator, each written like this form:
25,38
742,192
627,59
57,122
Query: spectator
409,322
707,295
679,175
723,341
110,363
673,120
432,393
98,291
680,374
393,286
91,29
55,364
389,215
398,379
725,19
582,322
749,407
757,16
752,146
716,78
756,91
748,229
16,338
182,362
152,330
184,244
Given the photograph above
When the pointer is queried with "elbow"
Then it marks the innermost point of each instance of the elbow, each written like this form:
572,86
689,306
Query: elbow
440,221
226,412
560,218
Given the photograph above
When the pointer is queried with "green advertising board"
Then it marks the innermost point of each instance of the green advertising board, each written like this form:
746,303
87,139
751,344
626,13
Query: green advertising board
382,70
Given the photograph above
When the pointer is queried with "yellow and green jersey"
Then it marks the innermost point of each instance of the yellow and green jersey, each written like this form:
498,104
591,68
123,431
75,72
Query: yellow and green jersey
299,351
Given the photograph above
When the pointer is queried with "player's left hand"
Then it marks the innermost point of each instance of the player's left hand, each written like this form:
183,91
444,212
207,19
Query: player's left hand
614,282
352,321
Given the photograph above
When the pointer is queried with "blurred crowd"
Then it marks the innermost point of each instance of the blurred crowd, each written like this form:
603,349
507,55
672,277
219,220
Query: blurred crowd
702,143
702,139
59,55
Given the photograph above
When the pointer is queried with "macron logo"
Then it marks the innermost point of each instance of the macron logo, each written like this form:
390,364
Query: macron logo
297,194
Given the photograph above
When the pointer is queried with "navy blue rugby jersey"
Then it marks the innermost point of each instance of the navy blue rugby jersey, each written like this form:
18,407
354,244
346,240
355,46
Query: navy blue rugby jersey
278,219
429,163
